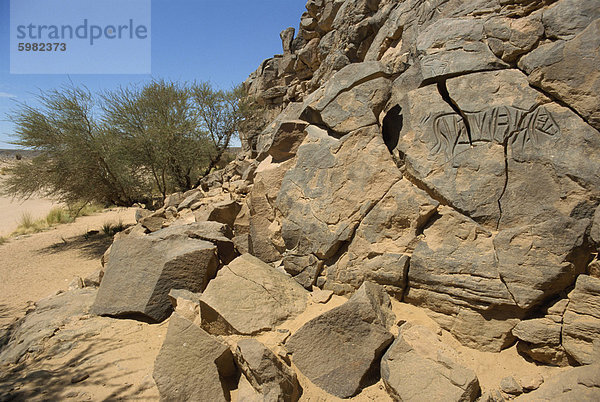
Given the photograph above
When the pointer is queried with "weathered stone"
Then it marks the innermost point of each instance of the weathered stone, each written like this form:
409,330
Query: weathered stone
173,200
454,45
529,382
550,68
581,322
380,247
595,230
154,222
351,339
217,233
320,295
268,375
511,386
538,331
287,36
142,270
288,137
265,229
224,212
43,322
357,107
538,261
250,296
567,18
454,270
191,364
186,304
418,366
304,268
575,384
510,38
331,188
191,199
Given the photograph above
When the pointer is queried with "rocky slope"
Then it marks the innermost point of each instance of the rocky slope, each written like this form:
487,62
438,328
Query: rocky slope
440,154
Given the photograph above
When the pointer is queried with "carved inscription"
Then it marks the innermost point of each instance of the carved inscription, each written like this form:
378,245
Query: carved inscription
504,125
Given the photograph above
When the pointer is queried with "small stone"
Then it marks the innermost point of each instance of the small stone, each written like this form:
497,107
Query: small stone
320,295
79,377
511,386
530,382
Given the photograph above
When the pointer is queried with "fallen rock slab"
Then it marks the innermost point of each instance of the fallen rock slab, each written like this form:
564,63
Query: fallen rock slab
142,270
418,366
191,364
338,351
249,296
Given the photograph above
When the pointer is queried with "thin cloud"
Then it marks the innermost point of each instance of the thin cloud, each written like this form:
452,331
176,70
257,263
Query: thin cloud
7,95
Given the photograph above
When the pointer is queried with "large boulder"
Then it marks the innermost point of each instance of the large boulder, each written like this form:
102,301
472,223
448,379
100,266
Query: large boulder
142,270
331,188
381,247
265,240
192,365
418,367
249,296
339,350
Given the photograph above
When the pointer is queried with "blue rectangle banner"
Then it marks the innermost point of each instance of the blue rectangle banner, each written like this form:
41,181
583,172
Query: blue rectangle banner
80,37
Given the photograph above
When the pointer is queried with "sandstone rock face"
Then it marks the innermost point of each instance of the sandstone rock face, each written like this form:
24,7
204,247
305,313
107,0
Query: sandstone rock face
418,366
570,330
192,364
581,321
339,349
456,162
331,188
268,375
142,270
249,296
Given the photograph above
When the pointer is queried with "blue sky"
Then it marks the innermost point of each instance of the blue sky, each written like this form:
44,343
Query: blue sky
221,41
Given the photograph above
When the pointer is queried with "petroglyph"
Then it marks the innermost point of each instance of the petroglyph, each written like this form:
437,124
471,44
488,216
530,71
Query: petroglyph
505,125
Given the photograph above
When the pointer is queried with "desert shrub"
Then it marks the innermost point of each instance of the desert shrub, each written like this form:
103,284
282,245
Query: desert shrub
57,216
125,146
110,229
3,240
28,225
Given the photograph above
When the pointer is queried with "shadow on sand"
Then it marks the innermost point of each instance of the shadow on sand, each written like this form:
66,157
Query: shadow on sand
38,378
91,245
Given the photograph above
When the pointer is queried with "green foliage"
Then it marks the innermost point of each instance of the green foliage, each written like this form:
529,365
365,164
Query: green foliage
123,146
57,216
3,240
28,225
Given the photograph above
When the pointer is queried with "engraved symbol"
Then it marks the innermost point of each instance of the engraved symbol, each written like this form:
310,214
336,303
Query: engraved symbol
501,125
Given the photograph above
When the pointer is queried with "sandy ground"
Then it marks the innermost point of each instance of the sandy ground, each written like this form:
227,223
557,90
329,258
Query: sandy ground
36,266
118,355
11,211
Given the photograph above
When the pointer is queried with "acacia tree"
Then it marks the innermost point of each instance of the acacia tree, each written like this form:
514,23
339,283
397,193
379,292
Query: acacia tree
124,146
79,158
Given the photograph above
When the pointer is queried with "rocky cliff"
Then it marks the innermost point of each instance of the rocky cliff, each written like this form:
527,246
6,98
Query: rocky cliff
447,150
444,154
